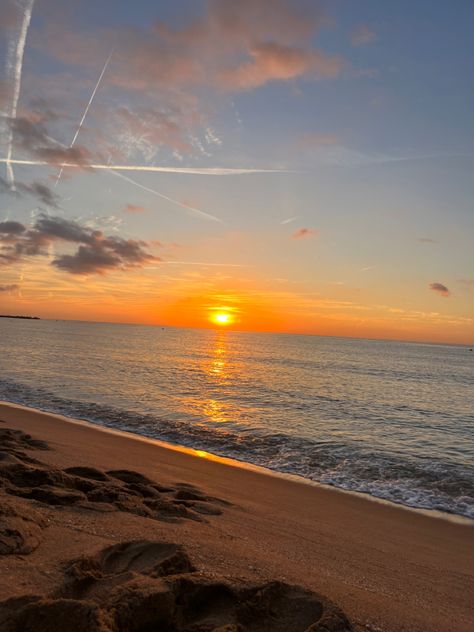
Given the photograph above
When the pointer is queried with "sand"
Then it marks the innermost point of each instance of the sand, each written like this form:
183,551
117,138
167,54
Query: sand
101,530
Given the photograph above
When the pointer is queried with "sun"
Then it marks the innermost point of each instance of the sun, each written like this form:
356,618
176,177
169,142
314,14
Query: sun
221,318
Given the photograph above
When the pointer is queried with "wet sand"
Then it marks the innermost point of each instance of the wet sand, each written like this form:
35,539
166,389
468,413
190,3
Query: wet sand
229,530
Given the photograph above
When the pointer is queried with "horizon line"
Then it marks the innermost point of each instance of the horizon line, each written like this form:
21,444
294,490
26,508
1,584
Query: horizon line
243,331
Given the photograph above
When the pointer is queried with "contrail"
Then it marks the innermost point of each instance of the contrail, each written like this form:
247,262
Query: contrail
86,111
202,214
203,171
17,70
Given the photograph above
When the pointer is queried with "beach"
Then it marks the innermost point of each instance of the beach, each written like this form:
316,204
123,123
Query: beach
384,566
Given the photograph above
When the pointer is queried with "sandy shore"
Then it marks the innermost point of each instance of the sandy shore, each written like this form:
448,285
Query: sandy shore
385,567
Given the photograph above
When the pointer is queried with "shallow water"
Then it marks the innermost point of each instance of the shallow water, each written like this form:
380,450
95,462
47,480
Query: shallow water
392,419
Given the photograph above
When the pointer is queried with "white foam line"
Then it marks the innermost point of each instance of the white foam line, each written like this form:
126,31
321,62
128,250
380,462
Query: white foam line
17,69
86,111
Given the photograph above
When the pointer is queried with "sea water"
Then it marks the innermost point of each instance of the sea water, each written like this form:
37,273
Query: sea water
391,419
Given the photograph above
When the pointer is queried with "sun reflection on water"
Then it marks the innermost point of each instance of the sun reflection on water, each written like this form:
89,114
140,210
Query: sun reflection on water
216,369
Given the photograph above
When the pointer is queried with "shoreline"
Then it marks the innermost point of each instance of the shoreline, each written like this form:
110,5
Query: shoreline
386,567
244,465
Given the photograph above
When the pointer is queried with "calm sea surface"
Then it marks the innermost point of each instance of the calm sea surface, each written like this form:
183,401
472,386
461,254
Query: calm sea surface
391,419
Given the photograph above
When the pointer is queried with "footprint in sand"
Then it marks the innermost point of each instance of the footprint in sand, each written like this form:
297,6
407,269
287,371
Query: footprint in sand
143,586
89,488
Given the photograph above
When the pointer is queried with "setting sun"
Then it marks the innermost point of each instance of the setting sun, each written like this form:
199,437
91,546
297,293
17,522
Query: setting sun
221,318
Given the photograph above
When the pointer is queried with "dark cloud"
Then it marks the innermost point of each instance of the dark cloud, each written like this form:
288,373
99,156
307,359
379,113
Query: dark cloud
11,228
9,288
105,254
58,228
440,289
95,254
38,190
427,240
31,135
304,232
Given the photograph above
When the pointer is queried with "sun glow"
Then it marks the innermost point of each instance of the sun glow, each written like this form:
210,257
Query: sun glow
221,318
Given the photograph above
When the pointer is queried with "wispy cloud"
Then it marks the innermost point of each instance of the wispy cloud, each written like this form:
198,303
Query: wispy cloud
288,220
43,193
427,240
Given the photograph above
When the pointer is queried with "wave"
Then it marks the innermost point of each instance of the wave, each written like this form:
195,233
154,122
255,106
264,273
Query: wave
405,479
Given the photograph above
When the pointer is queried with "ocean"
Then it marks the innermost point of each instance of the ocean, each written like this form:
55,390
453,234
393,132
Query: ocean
394,420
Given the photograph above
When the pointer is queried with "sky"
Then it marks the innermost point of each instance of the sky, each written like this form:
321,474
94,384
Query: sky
263,165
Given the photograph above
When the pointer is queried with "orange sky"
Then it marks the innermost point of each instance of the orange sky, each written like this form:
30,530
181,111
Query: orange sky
252,305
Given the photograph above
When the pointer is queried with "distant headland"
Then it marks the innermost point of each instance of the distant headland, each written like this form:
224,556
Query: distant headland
24,317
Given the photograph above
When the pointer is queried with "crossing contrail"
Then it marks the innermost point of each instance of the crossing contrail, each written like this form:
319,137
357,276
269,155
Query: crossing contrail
17,65
86,111
111,170
203,171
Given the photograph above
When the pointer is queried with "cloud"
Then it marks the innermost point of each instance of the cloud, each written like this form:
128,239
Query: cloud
31,135
40,191
230,47
467,282
96,253
11,228
9,288
170,57
427,240
167,81
440,289
363,35
270,61
133,208
304,232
